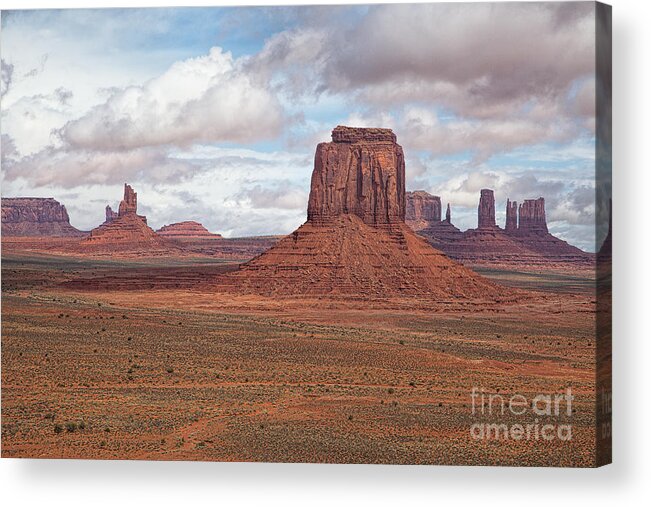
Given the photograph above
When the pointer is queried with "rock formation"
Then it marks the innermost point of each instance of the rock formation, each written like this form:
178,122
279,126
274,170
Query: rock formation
127,232
422,209
36,216
511,216
443,233
130,202
486,210
355,242
532,233
110,215
525,240
362,172
532,216
186,230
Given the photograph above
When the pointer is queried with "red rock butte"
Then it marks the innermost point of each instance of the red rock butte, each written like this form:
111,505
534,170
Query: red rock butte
36,216
422,209
525,239
355,242
361,172
486,209
126,232
186,230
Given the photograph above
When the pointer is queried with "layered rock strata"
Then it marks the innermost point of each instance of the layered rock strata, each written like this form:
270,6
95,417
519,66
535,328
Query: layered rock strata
36,216
110,215
486,210
355,242
127,232
525,240
511,224
532,216
422,209
187,230
361,172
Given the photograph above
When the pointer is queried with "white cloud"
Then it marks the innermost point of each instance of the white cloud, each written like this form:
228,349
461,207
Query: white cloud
201,99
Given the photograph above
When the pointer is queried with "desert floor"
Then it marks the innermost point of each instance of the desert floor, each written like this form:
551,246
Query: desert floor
148,360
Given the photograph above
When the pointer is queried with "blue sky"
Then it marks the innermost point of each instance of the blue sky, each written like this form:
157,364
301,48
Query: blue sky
213,114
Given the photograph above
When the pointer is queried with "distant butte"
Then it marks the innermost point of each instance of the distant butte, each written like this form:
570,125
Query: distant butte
36,216
524,241
186,230
127,232
355,242
422,209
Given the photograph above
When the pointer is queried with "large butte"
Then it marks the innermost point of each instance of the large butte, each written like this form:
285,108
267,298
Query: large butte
355,241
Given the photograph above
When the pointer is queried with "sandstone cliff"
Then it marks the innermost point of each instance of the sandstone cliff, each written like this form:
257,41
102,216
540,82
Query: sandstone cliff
422,209
35,216
110,215
361,172
511,224
130,202
355,242
486,210
532,216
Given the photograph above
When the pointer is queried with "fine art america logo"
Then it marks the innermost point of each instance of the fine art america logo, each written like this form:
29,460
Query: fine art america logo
518,417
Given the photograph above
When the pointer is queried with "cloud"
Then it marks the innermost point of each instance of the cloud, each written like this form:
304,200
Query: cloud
472,56
575,208
6,76
506,74
32,119
8,149
283,195
201,99
422,129
69,169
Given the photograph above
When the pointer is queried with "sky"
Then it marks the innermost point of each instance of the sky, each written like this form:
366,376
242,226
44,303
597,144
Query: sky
214,114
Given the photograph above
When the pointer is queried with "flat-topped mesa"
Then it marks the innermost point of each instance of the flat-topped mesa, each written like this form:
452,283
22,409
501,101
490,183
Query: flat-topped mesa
422,209
187,230
532,216
129,204
361,172
486,210
342,134
35,216
511,225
